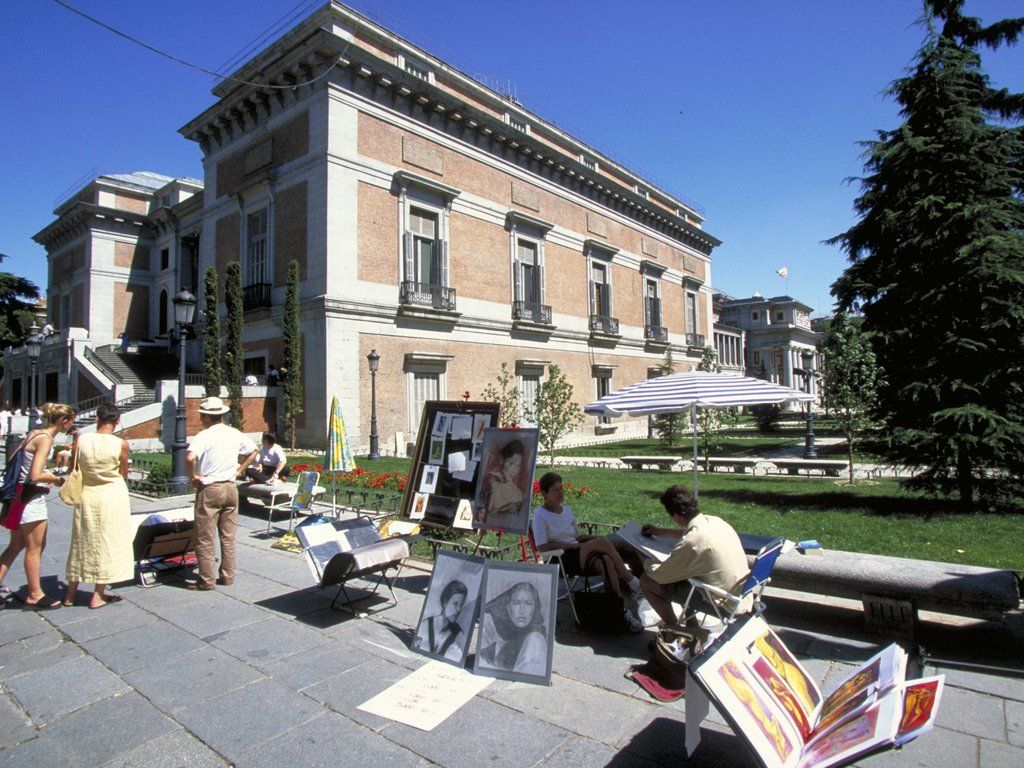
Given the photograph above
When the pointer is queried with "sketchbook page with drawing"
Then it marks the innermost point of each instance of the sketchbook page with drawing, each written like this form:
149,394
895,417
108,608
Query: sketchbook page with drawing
777,708
658,547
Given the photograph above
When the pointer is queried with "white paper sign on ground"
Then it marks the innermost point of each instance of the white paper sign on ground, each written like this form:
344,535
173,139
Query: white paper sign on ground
428,696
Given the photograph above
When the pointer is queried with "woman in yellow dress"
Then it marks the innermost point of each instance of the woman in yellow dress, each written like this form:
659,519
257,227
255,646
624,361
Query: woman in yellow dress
101,538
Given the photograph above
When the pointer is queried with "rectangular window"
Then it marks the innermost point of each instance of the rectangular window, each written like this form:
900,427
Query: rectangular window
257,366
642,192
600,303
757,358
589,162
604,386
754,316
529,383
424,386
779,316
426,253
165,258
528,272
416,69
256,247
691,313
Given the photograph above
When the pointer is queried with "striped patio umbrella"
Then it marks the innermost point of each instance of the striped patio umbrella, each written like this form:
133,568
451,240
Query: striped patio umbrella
689,391
338,456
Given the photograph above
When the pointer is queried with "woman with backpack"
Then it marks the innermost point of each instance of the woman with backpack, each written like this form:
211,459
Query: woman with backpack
26,515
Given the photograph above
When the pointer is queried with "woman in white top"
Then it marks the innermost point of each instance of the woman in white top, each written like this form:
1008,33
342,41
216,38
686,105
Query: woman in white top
271,464
554,527
27,517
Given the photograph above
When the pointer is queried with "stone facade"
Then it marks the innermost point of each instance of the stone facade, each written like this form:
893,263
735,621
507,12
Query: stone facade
434,221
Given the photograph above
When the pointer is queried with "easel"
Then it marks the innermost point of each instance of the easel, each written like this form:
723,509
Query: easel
524,541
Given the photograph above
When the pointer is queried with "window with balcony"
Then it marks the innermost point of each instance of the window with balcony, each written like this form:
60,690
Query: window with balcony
654,330
601,320
416,68
256,292
528,283
693,336
589,162
517,122
425,207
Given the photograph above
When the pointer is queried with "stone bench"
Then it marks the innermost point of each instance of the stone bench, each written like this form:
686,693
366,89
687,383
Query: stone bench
739,465
640,462
830,467
893,589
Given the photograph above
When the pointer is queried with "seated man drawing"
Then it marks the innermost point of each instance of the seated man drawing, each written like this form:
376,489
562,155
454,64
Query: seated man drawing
554,527
708,549
271,464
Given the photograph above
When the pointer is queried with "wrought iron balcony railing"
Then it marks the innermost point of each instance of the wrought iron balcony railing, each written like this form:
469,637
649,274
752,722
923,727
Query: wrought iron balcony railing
604,324
656,333
695,340
427,295
256,296
534,313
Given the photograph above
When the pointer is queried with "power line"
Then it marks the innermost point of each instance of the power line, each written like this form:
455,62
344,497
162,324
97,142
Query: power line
298,10
177,60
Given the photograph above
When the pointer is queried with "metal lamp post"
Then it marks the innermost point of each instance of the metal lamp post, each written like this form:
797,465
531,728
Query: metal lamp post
808,359
184,309
374,360
33,346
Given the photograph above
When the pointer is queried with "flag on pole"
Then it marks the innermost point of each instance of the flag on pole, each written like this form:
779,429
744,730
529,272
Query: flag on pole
782,272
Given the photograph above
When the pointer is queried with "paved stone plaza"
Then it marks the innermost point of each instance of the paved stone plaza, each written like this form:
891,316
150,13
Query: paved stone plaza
263,673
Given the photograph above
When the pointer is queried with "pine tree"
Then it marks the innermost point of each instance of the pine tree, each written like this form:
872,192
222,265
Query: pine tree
938,262
233,352
292,338
668,426
212,375
554,412
850,377
17,297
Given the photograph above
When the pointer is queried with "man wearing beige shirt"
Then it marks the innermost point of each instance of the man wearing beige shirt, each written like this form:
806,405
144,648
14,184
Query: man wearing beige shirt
708,549
212,464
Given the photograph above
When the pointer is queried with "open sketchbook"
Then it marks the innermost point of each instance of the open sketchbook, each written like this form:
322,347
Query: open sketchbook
322,539
658,547
775,706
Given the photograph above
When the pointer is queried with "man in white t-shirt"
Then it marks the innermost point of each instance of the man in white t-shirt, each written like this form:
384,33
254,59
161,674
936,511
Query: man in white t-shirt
213,466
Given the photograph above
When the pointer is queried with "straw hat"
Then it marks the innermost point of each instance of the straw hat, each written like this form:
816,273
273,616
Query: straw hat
213,406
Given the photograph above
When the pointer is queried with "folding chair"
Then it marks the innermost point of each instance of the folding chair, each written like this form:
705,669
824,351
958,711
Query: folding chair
725,605
356,551
554,556
299,504
165,543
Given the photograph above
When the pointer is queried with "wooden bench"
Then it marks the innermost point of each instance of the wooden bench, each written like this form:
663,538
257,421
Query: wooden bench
639,462
893,589
830,467
739,464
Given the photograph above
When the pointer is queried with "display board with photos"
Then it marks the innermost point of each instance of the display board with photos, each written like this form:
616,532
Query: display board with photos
448,616
446,462
774,705
504,487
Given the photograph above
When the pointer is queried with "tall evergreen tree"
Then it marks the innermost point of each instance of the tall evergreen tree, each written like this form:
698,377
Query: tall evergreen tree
233,352
212,376
292,338
938,261
17,297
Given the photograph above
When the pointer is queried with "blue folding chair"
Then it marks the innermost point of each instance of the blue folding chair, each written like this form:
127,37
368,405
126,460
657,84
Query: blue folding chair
725,605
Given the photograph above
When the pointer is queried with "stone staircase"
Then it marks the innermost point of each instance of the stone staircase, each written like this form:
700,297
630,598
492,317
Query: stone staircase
142,371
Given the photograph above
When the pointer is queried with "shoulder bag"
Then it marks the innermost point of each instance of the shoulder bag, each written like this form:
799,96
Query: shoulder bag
71,489
600,610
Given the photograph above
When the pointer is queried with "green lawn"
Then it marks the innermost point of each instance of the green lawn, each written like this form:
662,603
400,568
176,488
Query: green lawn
735,443
879,518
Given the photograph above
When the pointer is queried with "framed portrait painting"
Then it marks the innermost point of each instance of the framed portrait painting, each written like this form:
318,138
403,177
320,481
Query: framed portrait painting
505,480
516,630
445,628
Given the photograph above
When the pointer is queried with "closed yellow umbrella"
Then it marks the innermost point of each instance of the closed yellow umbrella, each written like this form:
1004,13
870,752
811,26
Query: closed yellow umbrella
338,456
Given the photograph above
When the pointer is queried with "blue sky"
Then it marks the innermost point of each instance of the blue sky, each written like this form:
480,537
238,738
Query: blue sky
751,109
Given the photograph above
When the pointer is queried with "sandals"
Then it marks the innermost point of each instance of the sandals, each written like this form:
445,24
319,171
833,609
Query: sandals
43,604
106,601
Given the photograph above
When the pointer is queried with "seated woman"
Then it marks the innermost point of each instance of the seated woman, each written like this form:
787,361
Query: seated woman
554,527
271,464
